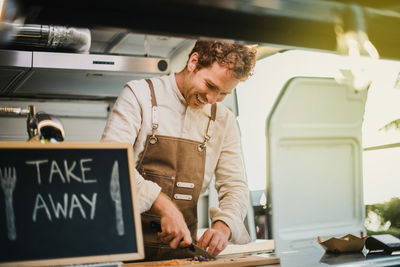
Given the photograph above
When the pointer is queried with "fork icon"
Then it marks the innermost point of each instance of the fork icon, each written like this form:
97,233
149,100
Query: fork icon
8,179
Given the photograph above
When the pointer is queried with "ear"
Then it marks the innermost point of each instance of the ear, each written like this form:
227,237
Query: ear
192,62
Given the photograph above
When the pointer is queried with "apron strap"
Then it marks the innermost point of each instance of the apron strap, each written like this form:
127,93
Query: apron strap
153,95
210,127
213,111
154,113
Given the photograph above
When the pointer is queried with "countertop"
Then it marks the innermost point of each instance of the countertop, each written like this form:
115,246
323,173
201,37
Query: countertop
315,256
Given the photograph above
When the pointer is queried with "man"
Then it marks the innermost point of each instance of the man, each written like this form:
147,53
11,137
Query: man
181,139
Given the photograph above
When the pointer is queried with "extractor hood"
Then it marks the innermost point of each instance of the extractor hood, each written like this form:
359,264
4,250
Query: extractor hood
71,75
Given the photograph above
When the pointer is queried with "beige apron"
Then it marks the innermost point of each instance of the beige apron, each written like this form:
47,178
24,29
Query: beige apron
177,166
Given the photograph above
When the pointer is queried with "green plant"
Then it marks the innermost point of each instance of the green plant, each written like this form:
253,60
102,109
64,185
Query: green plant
387,212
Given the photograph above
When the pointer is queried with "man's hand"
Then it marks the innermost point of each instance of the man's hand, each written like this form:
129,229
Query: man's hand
215,239
173,226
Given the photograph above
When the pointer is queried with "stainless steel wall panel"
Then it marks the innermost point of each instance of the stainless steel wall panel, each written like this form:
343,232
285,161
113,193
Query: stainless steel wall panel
69,75
125,64
21,59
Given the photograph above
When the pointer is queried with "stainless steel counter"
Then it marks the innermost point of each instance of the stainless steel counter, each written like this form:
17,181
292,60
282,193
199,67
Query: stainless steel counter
314,256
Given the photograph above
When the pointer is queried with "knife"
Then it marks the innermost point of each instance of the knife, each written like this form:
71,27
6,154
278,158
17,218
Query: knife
116,197
195,250
192,249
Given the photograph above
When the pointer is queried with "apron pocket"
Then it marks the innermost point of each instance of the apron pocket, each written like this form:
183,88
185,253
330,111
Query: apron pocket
165,182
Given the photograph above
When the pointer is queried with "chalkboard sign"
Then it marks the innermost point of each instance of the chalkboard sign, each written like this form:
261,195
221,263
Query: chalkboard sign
67,203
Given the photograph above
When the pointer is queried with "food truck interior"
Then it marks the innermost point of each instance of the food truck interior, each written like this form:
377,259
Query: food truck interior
319,118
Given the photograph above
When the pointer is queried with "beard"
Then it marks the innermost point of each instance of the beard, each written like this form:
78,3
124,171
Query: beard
196,101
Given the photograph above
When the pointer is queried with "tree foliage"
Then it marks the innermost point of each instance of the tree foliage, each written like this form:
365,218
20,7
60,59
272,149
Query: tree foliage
388,211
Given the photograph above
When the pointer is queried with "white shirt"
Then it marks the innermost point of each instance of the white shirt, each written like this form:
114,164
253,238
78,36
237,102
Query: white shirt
130,121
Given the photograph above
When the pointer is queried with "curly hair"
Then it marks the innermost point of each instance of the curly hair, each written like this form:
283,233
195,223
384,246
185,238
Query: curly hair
238,58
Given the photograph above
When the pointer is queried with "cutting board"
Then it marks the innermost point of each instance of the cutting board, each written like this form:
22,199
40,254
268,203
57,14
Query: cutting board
244,260
257,247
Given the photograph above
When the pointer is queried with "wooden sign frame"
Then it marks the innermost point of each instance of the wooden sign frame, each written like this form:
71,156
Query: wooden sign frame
135,255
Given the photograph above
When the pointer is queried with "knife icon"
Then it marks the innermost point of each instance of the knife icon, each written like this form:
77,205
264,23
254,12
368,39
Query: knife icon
192,250
116,197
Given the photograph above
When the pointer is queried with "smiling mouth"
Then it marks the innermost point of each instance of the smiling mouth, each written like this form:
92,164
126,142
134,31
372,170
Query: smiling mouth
200,101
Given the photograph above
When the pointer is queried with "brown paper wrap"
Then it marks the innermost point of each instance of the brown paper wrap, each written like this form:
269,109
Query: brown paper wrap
347,243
